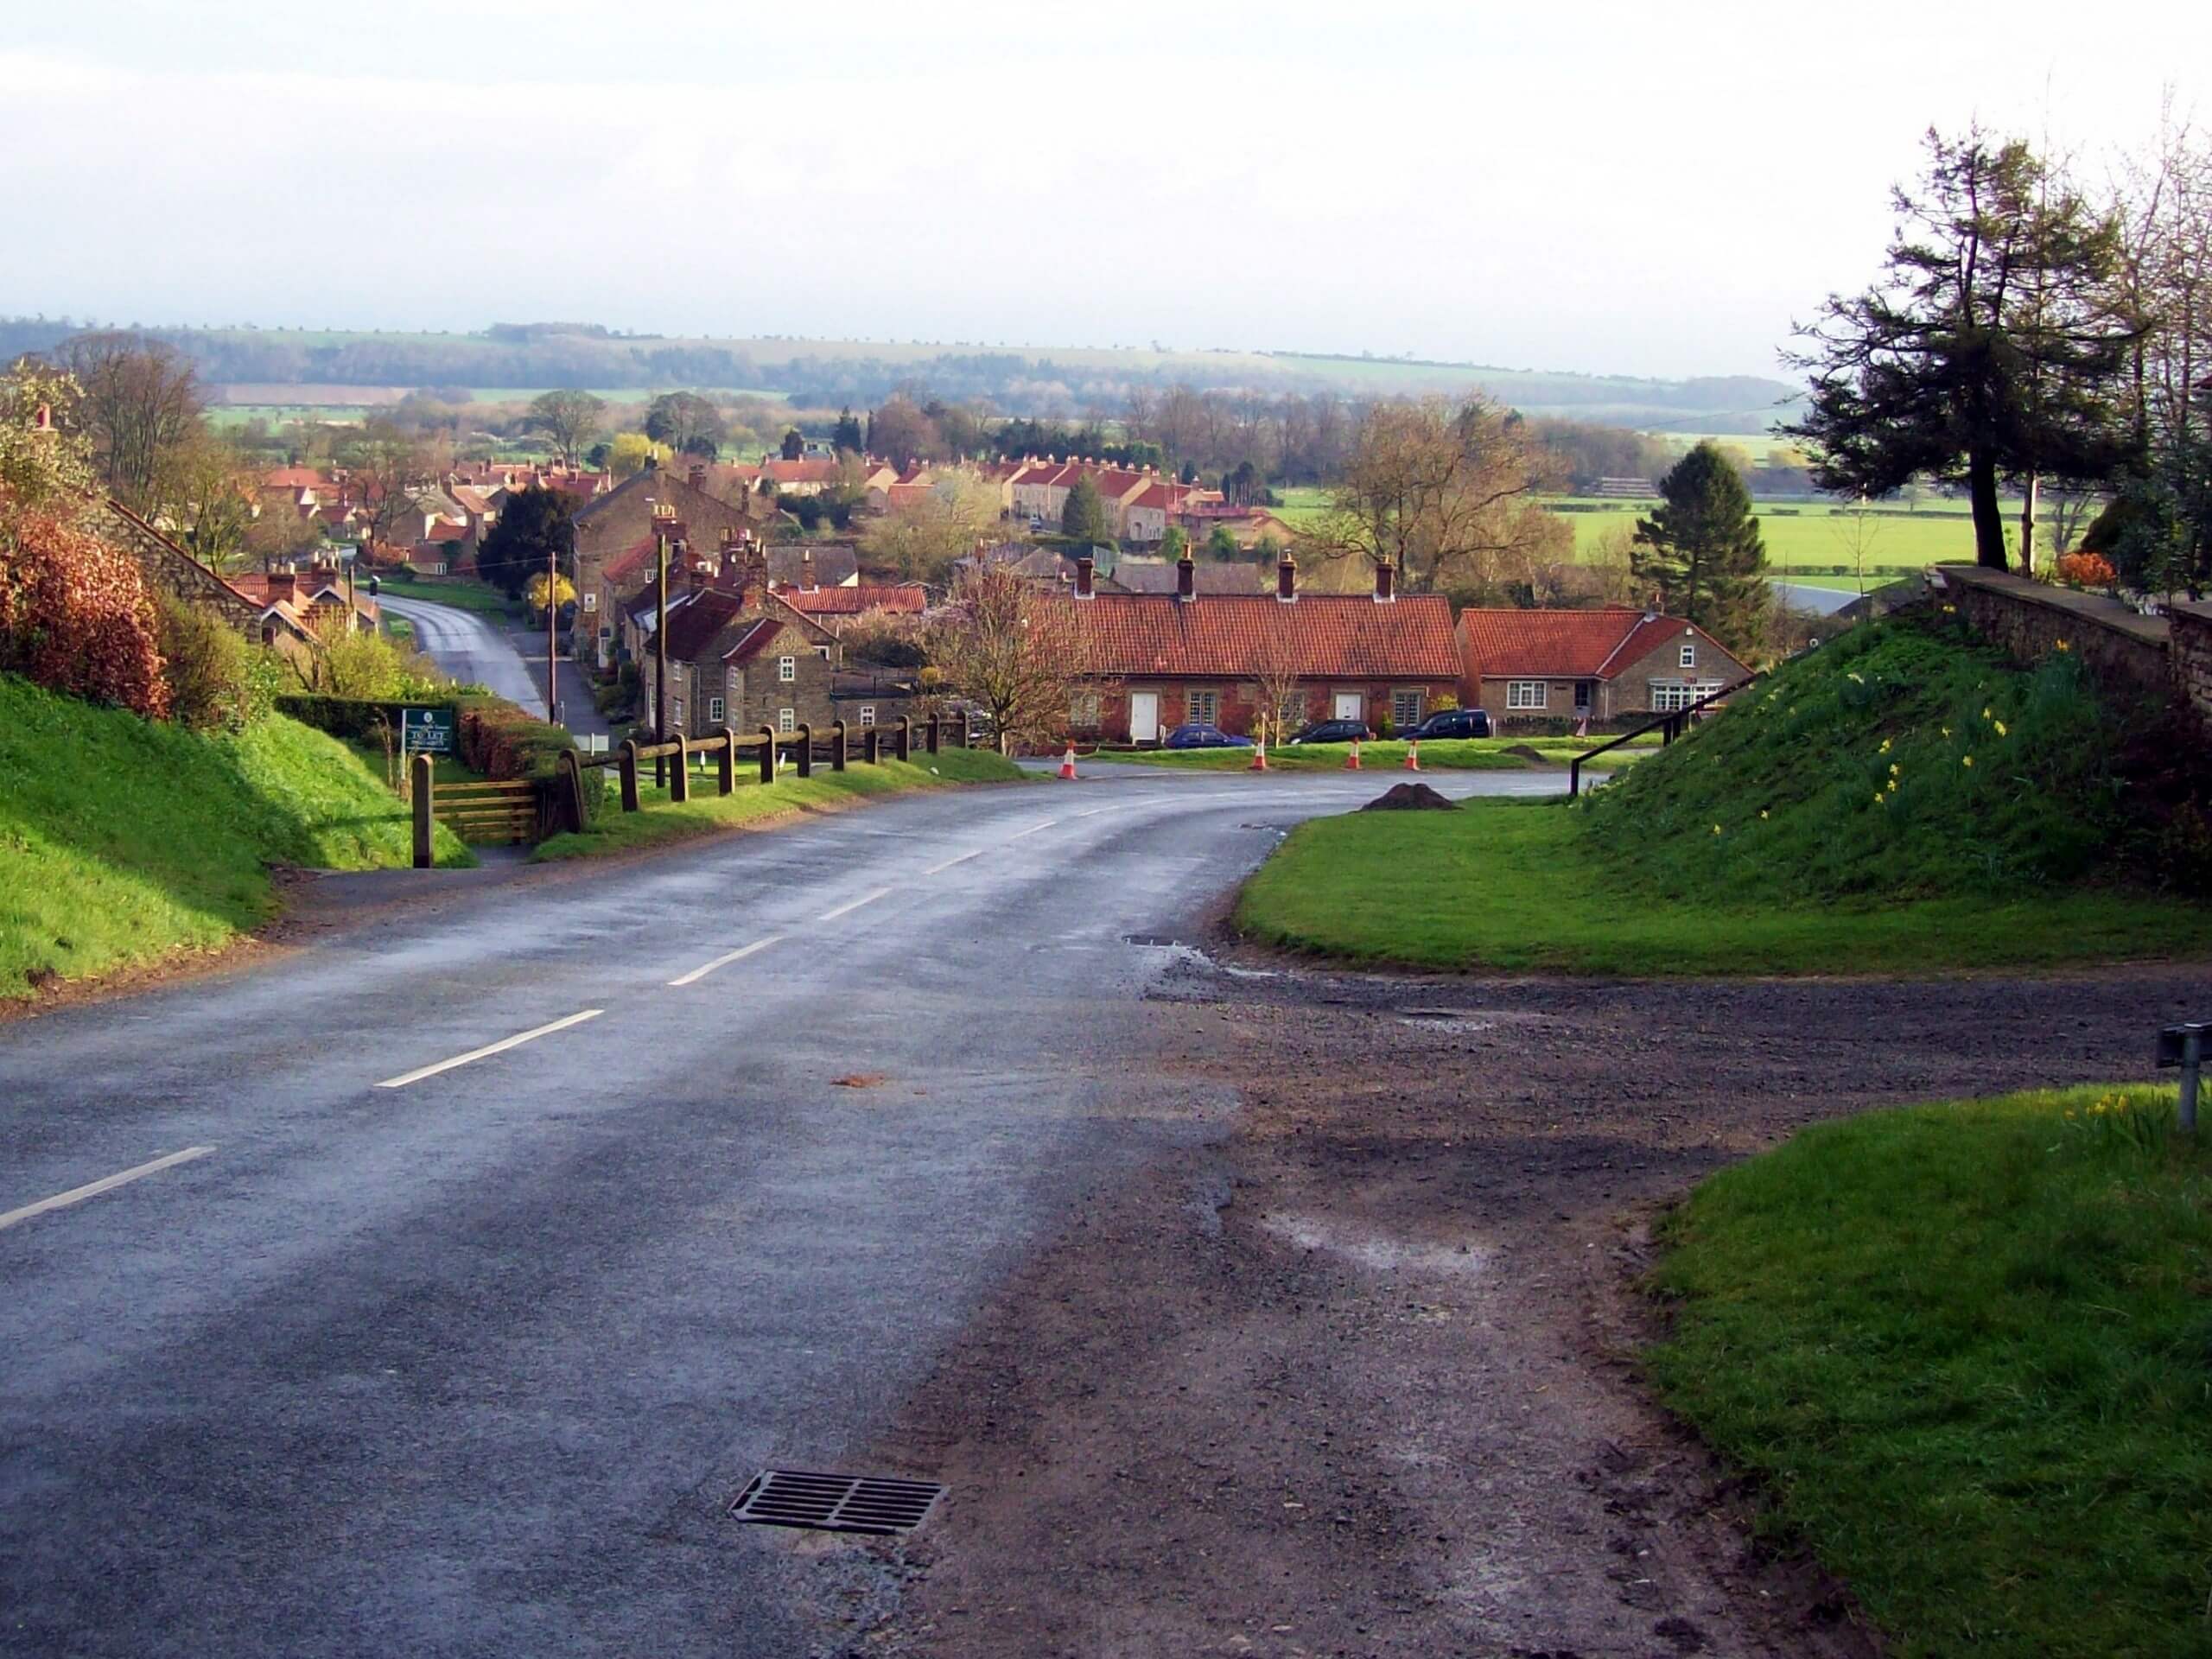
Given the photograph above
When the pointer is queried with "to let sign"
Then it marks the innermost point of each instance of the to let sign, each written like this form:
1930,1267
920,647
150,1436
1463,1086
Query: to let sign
428,731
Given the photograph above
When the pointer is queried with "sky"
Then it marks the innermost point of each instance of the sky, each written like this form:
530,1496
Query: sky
1642,189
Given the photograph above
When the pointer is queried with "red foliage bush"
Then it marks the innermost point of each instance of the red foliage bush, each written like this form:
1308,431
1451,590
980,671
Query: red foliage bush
75,615
2085,571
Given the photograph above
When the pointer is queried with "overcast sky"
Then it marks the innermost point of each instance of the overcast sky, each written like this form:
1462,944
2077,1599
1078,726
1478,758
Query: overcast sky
1641,188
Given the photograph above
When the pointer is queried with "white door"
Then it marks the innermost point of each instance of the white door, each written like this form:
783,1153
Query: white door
1144,716
1348,705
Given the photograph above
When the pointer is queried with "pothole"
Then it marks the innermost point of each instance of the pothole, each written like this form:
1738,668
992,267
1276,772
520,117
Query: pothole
1380,1252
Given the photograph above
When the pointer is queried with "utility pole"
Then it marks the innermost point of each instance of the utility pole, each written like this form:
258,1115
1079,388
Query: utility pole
552,624
660,653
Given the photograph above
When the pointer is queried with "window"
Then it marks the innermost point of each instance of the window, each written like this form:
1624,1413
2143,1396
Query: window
714,710
1082,710
868,713
677,705
1530,694
786,720
591,602
1668,696
787,669
1689,656
823,651
1405,707
1204,707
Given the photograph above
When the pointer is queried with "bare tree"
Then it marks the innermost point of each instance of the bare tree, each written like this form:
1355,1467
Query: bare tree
385,467
570,420
139,400
1020,651
921,537
1856,529
205,486
1277,673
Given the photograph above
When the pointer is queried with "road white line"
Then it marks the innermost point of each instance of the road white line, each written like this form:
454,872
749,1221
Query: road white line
490,1049
1032,830
847,910
105,1184
724,961
939,870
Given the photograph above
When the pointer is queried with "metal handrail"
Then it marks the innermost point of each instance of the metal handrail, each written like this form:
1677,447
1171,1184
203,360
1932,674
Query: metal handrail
1673,720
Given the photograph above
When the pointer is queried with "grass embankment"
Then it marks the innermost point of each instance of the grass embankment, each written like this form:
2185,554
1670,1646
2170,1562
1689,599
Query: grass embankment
122,841
1442,754
462,596
660,819
1899,800
1965,1349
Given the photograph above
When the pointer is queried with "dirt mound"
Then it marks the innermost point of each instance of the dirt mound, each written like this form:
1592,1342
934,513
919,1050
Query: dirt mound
1530,753
1410,798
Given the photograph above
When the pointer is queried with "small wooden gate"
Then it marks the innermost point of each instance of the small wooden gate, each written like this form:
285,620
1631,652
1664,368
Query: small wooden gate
496,809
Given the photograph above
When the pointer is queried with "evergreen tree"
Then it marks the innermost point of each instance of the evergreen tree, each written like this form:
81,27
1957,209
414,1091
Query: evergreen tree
1701,549
533,525
1083,518
847,436
794,443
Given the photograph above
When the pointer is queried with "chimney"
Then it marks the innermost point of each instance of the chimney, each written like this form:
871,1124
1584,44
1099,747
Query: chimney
806,570
1386,577
1083,580
281,585
698,475
1286,580
1186,579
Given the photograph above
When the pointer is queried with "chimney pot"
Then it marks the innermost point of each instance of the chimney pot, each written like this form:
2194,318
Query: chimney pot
1385,581
1084,578
1286,579
1186,579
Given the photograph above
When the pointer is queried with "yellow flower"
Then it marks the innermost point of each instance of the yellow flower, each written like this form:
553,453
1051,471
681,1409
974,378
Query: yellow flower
1950,610
1966,759
1893,768
1947,731
2000,729
1886,746
1880,800
1894,786
1716,828
1985,715
1761,813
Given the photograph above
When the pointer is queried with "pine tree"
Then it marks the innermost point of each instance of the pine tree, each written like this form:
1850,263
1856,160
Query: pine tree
1701,549
1083,518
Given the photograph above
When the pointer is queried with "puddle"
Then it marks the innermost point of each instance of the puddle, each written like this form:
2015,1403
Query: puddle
1448,1019
1189,955
1379,1252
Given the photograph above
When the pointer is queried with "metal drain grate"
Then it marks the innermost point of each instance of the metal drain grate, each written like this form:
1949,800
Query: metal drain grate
872,1504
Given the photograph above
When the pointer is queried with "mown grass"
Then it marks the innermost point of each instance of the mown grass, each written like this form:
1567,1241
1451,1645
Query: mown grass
462,596
1898,801
1444,755
659,819
122,841
1965,1349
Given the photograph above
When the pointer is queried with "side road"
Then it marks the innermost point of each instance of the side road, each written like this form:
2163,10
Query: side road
1350,1374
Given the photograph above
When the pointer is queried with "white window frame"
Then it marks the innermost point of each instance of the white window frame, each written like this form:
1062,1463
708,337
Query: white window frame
1406,696
716,710
675,707
786,720
1083,710
1519,695
591,601
1212,702
868,713
787,670
1689,658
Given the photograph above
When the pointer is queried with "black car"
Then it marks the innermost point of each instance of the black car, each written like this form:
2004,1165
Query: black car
1334,731
1453,722
1197,734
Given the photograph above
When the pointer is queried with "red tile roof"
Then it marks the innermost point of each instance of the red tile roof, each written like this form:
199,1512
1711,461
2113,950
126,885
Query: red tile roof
851,601
293,478
815,469
1338,636
1564,645
692,625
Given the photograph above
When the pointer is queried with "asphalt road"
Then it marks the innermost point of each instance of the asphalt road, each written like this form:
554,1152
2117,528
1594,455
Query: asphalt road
475,1364
473,650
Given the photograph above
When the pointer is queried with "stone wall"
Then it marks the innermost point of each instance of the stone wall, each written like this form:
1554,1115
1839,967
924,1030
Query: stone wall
2028,621
171,570
2190,657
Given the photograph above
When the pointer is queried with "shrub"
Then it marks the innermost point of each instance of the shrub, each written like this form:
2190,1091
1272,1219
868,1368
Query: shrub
75,616
366,665
356,718
218,682
2086,570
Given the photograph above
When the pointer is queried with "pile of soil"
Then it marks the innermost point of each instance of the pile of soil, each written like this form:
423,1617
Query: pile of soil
1410,798
1533,756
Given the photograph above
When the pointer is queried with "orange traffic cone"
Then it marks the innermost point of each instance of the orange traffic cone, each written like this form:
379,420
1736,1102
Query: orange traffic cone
1413,754
1351,761
1067,763
1259,756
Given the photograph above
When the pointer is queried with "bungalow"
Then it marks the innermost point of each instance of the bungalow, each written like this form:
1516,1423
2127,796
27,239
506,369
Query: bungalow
1529,666
1156,660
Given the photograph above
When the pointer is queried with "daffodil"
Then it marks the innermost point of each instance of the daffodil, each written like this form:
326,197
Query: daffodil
1894,786
1985,715
1716,828
2063,645
1761,813
1966,759
1886,746
2000,729
1893,768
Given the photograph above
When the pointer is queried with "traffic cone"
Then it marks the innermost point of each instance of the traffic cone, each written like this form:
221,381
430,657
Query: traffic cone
1351,761
1067,764
1413,754
1259,756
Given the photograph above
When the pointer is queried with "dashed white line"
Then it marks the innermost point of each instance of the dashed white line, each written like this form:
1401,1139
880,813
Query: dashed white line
848,909
724,960
105,1184
1032,830
490,1049
939,870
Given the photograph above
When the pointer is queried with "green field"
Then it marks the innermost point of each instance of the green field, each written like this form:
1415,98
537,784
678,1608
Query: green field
1961,1352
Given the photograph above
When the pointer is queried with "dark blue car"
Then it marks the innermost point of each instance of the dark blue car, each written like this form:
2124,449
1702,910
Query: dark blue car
1199,735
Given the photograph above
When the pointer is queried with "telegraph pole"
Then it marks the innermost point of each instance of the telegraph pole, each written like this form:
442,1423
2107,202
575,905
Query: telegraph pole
660,651
552,624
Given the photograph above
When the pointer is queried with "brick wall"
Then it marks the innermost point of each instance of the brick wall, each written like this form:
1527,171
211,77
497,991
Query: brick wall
1237,709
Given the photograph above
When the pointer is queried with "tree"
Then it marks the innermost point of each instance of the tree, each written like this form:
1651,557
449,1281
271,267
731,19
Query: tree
138,401
1278,672
921,537
1701,548
629,452
1015,649
1174,543
570,420
1444,493
75,615
686,422
535,590
1083,518
1989,349
1856,530
206,487
533,527
387,466
794,443
45,458
900,433
1220,543
846,435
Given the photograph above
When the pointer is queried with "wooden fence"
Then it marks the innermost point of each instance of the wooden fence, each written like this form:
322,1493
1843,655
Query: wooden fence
495,809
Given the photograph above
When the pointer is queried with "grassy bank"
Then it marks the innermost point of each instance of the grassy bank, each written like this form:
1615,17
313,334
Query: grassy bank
1964,1348
660,819
122,842
462,596
1900,800
1446,754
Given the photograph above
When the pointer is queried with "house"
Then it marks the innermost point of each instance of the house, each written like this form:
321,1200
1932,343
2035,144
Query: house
832,607
1527,666
1156,660
611,526
1139,575
865,697
316,599
739,657
808,476
806,565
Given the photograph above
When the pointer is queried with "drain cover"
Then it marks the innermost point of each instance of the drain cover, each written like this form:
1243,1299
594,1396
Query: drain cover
873,1504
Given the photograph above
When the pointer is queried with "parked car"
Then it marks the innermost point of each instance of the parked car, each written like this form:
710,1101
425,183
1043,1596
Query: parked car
1199,735
1453,722
1333,731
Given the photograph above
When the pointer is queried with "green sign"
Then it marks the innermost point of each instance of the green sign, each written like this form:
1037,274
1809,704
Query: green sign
426,730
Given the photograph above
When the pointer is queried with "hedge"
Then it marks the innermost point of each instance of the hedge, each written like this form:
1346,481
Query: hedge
351,717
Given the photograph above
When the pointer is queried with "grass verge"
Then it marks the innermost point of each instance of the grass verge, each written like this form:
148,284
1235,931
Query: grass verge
1964,1348
122,841
660,819
461,595
1444,755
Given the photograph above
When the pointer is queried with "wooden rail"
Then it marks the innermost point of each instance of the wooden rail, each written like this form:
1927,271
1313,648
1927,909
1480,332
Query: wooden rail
496,810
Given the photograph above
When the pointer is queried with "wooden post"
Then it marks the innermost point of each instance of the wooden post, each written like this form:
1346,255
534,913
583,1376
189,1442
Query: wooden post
929,738
679,774
423,789
872,746
837,747
805,750
626,759
726,777
767,754
967,737
572,791
903,737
